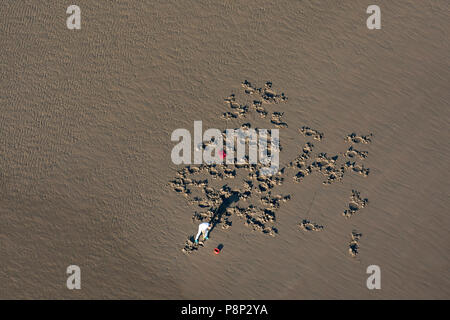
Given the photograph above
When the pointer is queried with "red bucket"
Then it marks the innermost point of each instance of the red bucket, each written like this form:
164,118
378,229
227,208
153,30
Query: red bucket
216,251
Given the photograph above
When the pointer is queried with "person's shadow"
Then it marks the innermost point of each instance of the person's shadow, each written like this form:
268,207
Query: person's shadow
223,207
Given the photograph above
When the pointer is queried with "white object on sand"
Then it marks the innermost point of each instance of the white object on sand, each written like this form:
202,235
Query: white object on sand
202,228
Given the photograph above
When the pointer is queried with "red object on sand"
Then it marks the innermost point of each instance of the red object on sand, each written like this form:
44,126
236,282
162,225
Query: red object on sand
222,154
216,251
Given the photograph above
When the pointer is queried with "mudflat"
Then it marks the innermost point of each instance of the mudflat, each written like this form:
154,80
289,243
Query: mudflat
87,178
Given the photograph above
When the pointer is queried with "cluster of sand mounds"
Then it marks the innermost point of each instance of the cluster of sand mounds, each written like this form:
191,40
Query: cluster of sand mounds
276,120
263,95
361,169
322,163
274,202
300,162
218,204
354,138
238,110
356,203
191,246
260,219
266,93
332,167
353,246
307,225
353,153
308,132
258,107
216,201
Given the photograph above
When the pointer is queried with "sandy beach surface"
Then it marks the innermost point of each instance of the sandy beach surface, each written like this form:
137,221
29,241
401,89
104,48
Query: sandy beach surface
86,176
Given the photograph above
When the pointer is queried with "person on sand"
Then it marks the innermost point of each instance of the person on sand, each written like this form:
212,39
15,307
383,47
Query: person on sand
203,228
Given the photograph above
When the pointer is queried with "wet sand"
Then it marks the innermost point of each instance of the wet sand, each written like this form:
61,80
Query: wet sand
85,167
